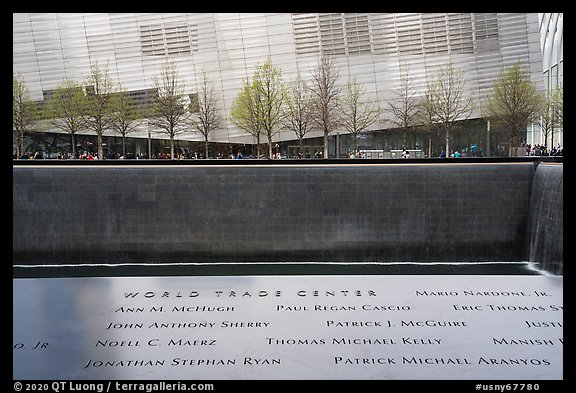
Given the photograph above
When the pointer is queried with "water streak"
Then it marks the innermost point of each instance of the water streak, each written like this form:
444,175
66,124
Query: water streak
546,217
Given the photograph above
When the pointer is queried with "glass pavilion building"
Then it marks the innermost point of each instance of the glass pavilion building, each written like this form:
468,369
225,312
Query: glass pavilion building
373,48
552,41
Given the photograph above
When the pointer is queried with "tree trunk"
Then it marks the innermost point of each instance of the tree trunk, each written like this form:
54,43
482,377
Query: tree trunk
269,147
429,146
447,143
73,142
326,144
100,148
404,139
206,146
20,144
124,146
172,146
514,142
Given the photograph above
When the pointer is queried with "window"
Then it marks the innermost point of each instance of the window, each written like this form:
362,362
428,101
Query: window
143,98
152,40
168,39
401,33
460,33
383,34
177,39
194,103
434,33
332,33
486,32
554,77
305,33
335,34
409,30
357,33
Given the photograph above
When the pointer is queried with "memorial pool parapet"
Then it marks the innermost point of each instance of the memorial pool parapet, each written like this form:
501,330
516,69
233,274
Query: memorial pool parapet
414,210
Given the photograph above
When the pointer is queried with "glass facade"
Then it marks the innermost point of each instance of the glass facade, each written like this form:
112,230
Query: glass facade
552,42
374,48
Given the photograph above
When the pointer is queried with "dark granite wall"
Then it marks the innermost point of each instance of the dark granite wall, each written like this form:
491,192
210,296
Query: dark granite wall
403,212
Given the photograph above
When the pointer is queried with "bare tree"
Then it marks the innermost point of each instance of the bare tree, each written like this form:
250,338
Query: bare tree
66,110
358,113
427,115
98,110
451,103
547,119
24,112
270,97
558,108
245,112
514,103
558,104
404,107
326,97
169,107
203,112
550,118
297,109
126,116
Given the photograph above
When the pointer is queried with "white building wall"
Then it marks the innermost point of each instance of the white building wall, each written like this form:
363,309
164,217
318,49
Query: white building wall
48,48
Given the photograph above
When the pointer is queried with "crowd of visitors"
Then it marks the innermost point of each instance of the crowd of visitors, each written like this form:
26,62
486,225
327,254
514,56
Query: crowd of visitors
536,150
542,150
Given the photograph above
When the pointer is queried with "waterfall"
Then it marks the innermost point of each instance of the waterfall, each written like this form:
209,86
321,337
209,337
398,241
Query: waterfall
546,217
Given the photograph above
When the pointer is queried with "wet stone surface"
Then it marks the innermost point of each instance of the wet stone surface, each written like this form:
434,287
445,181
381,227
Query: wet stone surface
289,327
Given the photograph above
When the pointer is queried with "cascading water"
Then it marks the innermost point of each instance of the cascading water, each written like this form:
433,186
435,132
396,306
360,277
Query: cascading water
546,217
